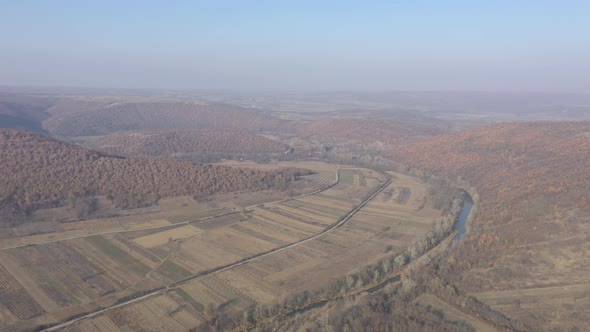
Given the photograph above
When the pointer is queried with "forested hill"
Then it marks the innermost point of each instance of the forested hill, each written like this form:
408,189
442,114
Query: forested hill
533,209
370,131
39,172
509,162
23,113
124,115
172,143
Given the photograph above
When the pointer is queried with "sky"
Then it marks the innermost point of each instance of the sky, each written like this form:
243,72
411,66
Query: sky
298,45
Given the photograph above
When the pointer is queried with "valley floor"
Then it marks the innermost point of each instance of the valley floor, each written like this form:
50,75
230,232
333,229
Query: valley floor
60,277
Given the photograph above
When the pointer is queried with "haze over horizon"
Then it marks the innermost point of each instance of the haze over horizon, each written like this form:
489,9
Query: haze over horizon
304,45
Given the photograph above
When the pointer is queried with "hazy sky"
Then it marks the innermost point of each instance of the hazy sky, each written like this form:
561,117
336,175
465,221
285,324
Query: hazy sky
292,45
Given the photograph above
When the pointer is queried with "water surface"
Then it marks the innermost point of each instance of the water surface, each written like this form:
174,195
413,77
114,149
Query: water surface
460,225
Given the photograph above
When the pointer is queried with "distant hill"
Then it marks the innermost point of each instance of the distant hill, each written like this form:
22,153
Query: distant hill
368,131
102,119
23,112
182,142
508,162
39,172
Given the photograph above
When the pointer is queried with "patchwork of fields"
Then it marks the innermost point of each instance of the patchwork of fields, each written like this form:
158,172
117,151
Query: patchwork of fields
62,279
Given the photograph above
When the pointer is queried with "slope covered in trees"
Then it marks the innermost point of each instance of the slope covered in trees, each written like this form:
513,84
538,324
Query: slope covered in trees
39,172
368,131
508,163
142,115
532,213
23,112
176,143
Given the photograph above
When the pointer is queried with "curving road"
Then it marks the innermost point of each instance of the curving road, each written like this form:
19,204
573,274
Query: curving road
220,269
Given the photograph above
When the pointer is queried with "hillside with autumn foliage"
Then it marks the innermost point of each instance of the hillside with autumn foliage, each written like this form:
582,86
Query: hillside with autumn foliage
182,142
377,132
91,119
22,112
39,172
513,162
533,211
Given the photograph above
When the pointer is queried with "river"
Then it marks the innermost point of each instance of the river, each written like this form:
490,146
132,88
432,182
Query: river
460,225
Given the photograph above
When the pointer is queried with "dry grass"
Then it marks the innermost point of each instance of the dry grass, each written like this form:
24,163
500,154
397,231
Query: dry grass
564,307
452,314
161,238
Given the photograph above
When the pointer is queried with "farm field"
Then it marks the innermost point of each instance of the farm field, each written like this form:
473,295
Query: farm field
65,274
384,226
